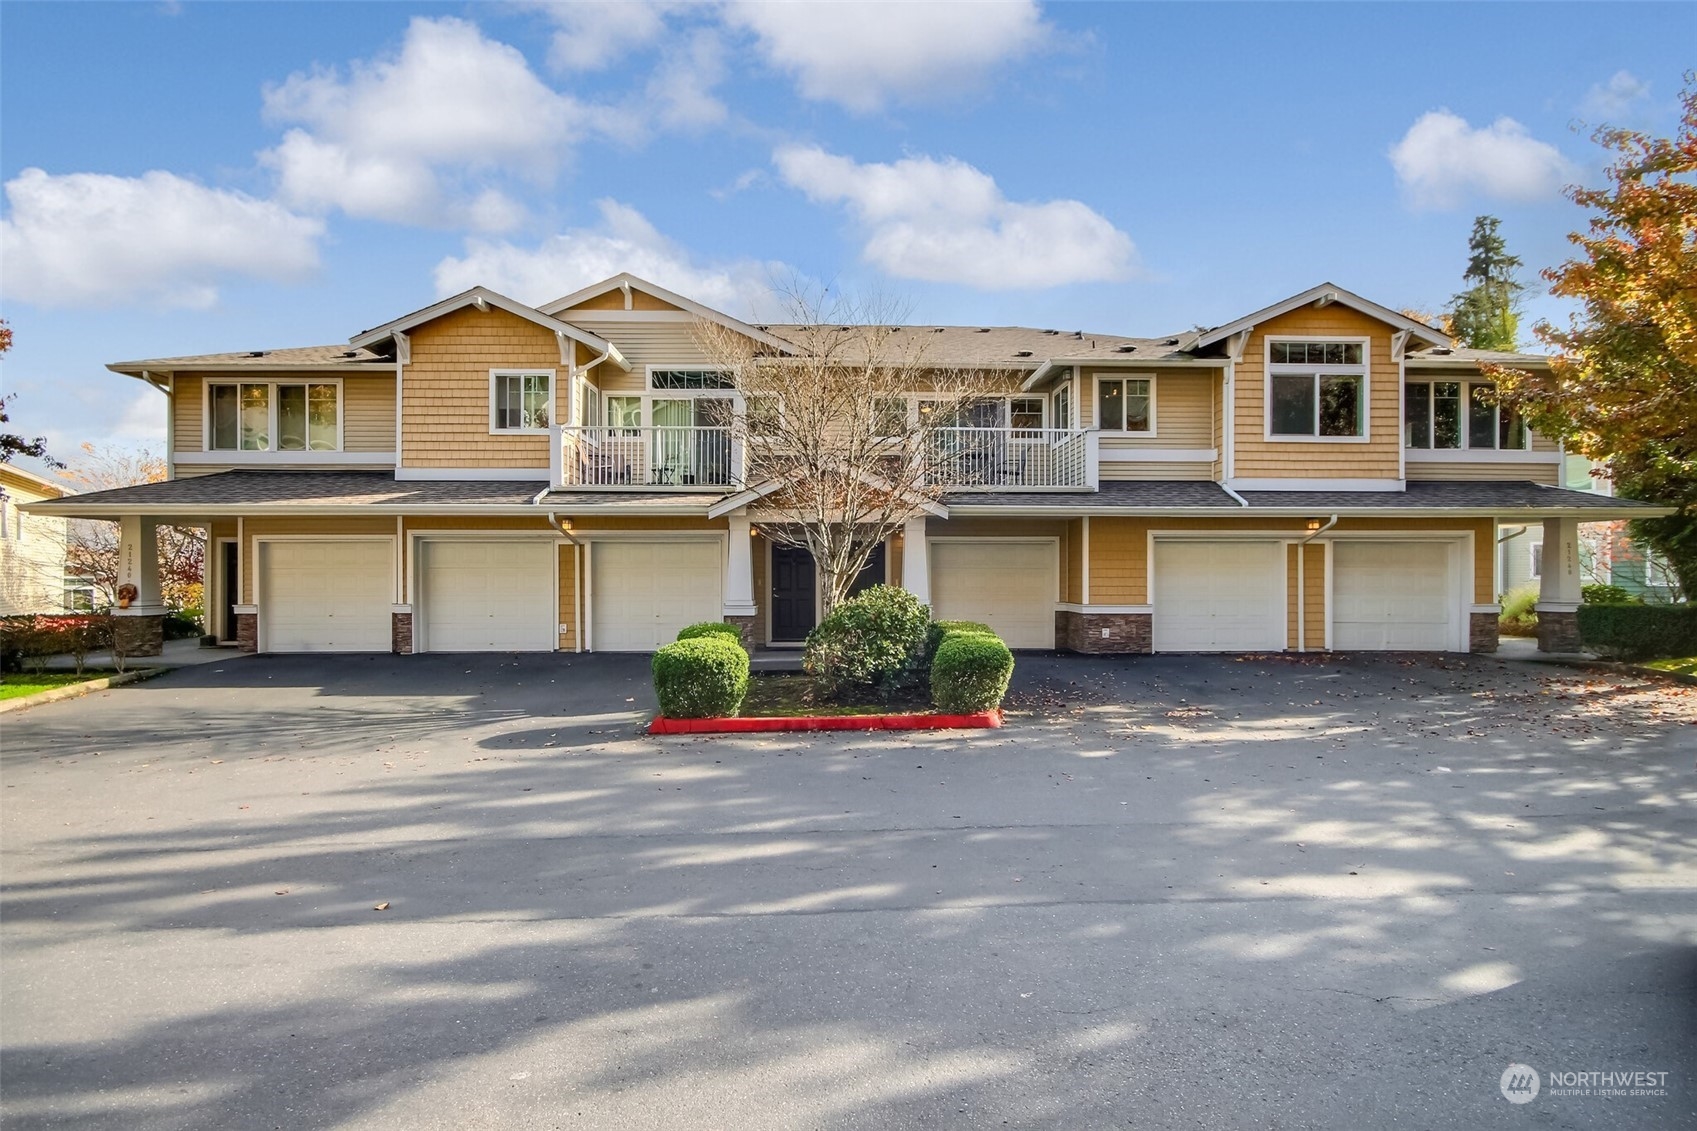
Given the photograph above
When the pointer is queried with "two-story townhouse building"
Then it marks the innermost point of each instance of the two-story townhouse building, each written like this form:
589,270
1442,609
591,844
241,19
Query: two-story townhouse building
1324,473
32,547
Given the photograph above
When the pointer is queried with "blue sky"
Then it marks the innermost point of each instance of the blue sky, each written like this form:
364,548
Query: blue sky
190,178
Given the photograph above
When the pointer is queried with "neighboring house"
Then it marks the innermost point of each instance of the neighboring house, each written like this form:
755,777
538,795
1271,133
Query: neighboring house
32,546
1324,473
1607,553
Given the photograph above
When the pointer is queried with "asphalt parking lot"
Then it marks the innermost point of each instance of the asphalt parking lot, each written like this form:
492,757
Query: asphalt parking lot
456,892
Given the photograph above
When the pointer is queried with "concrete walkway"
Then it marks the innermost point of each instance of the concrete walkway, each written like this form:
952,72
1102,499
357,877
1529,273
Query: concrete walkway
177,654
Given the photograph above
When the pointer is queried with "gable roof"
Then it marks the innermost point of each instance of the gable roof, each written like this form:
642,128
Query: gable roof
29,481
483,298
1328,293
625,281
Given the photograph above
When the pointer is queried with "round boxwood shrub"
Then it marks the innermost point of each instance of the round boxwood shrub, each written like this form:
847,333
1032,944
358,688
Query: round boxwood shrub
873,642
710,628
703,678
970,673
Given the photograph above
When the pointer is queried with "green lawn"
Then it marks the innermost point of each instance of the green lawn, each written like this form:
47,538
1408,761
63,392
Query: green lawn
19,684
782,696
1686,666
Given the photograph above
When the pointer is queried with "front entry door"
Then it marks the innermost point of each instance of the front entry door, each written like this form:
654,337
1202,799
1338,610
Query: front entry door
793,610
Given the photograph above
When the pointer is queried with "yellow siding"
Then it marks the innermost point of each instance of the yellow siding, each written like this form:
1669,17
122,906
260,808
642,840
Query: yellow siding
615,300
1314,587
445,414
1144,469
1184,407
368,411
1536,472
568,596
1378,458
1072,588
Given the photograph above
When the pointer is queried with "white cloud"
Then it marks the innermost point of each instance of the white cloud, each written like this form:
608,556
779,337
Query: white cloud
863,56
1617,96
1442,160
948,222
92,239
680,91
424,136
623,241
592,35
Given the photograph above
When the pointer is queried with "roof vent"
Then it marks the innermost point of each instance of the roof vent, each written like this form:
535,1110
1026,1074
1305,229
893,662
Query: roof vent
984,329
1170,342
1078,335
763,329
258,353
1125,349
1051,332
1022,353
1442,350
351,353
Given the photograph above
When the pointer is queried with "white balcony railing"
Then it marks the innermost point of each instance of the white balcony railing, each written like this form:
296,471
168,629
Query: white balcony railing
687,458
711,459
1008,459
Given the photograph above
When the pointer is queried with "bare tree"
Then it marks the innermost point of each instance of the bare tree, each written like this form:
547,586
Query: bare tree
92,544
851,434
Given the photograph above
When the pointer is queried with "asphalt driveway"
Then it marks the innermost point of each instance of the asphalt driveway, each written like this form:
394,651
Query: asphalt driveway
1174,892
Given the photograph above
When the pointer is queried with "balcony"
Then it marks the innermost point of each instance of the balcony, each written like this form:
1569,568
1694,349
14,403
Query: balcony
711,459
686,458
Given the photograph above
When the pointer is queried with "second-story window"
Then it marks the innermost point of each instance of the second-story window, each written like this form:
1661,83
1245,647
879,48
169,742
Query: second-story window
520,401
1125,404
1317,390
1061,403
264,416
1460,414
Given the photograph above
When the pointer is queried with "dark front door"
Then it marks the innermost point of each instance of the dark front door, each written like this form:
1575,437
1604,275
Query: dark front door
873,574
793,612
229,564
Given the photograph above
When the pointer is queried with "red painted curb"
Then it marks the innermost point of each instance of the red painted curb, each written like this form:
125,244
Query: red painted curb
663,725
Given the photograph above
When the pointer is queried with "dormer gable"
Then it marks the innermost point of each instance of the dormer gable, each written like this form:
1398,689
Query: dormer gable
626,297
484,299
1231,337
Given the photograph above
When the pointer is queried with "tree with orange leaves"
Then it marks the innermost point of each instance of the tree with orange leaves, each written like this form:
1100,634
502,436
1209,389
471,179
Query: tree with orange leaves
1622,388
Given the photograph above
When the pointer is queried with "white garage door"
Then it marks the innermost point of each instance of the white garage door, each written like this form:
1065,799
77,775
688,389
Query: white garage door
645,591
1010,586
1394,596
326,596
495,596
1219,596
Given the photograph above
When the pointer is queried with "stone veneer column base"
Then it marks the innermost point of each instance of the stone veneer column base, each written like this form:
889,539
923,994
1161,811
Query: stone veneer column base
139,636
746,624
247,632
1558,631
1128,633
1482,632
400,633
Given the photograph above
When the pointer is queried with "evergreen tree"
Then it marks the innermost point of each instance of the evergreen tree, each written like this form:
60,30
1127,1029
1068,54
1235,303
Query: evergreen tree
1484,316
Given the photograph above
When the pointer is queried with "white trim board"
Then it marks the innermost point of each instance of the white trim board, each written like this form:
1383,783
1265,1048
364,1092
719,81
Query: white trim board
474,474
223,458
1483,455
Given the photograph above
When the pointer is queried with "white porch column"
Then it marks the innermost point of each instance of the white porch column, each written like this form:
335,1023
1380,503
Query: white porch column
739,570
138,565
1559,587
916,560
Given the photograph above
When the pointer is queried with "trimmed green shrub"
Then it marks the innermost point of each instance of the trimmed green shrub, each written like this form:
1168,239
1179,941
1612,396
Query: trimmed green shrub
181,626
1520,615
970,673
1639,632
949,626
873,642
1607,595
710,628
703,678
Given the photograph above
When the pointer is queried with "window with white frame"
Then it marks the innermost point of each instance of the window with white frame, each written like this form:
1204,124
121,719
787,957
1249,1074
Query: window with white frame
624,412
889,416
1125,404
1317,389
1453,415
1060,402
520,400
1025,417
1536,550
681,379
274,416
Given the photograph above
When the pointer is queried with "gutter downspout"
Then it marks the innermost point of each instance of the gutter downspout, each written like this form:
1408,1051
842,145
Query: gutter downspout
1302,587
1241,501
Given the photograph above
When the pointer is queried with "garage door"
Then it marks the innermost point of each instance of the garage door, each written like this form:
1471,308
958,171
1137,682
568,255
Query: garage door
495,596
326,596
1219,596
1010,586
645,591
1394,596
